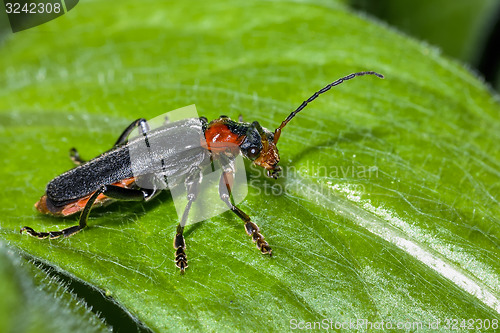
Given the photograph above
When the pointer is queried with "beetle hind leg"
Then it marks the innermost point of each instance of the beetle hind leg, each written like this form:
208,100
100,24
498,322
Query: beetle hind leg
71,230
111,191
52,234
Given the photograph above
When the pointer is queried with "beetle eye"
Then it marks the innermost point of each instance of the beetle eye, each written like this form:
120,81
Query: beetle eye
252,153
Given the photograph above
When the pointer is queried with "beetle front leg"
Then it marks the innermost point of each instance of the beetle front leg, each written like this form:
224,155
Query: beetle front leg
226,182
192,183
111,191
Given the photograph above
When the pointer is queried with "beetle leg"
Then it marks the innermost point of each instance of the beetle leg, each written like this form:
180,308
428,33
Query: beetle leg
71,230
123,139
143,128
192,183
226,183
111,191
75,157
166,120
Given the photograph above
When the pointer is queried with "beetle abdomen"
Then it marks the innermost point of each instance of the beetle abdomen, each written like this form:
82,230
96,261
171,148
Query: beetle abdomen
108,168
47,206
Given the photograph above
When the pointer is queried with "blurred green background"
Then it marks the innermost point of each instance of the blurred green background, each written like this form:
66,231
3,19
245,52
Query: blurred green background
463,29
466,30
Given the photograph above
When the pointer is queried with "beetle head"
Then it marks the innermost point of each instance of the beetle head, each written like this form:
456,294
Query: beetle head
259,144
267,156
259,147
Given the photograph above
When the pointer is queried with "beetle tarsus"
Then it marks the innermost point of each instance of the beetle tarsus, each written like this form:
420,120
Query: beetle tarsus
34,233
191,183
253,230
52,234
180,255
42,235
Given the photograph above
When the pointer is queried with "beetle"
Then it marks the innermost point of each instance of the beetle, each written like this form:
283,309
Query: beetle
109,176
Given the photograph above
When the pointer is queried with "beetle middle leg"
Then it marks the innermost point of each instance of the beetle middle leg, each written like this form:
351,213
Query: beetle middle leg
122,139
115,192
192,183
226,182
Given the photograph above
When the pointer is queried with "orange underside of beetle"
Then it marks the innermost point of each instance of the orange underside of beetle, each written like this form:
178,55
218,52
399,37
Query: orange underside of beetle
78,205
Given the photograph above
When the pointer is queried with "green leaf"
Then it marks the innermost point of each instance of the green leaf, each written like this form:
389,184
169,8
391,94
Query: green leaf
388,210
34,301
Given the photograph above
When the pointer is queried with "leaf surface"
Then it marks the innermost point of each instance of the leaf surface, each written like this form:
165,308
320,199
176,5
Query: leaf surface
388,208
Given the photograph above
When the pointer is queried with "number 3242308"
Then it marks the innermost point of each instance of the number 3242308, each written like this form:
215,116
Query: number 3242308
32,8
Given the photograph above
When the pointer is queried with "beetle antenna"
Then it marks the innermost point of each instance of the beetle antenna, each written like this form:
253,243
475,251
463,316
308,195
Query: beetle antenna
277,132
